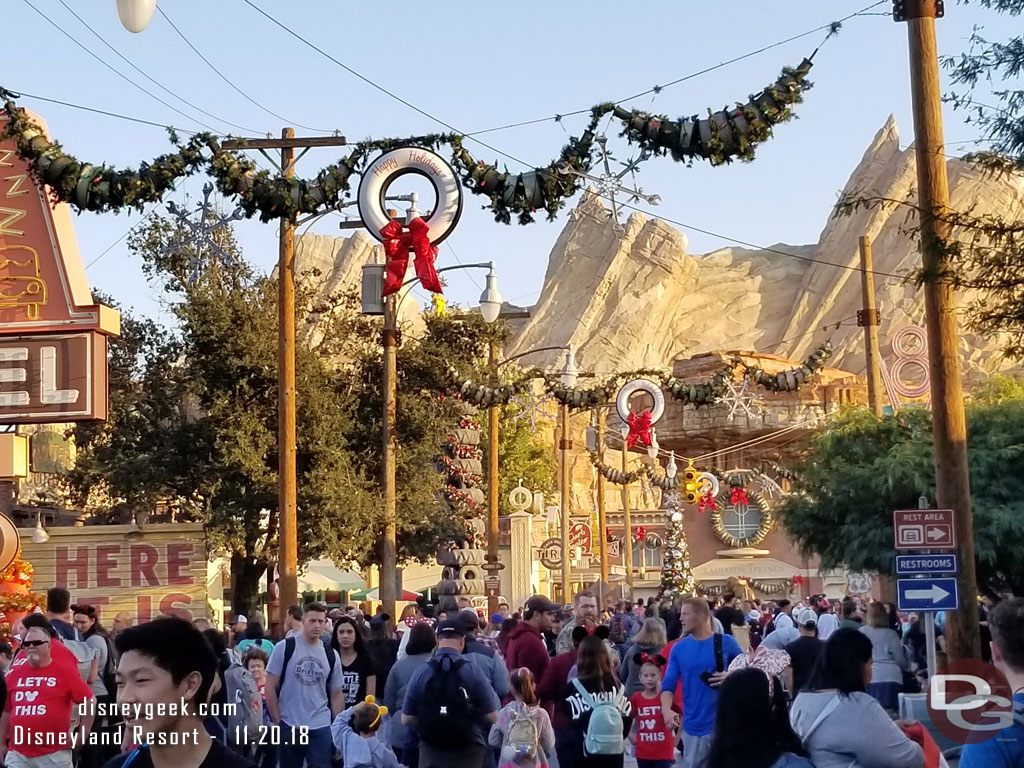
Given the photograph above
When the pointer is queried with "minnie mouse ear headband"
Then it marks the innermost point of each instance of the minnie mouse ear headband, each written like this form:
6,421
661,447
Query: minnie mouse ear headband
580,631
645,658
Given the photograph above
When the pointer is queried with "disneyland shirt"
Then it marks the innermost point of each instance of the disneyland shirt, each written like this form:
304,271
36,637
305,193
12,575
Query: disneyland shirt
302,695
39,703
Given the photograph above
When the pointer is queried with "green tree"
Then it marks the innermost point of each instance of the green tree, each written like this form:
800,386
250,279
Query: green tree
522,455
860,469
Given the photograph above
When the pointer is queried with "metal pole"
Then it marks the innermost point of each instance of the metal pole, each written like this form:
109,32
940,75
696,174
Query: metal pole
389,547
868,319
492,478
287,493
929,619
628,524
563,447
963,639
602,515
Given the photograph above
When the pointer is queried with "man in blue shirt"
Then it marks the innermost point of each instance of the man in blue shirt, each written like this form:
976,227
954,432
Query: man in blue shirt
700,661
456,702
1006,749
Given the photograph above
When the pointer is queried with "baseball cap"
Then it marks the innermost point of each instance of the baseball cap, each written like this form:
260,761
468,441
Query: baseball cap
240,619
540,604
449,629
807,618
497,618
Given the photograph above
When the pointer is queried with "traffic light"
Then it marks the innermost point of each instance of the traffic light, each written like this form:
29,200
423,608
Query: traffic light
691,485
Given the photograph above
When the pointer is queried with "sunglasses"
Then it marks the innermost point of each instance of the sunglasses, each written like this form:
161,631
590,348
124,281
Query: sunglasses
35,643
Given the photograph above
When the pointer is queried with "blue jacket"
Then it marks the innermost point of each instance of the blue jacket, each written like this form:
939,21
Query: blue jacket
394,696
490,664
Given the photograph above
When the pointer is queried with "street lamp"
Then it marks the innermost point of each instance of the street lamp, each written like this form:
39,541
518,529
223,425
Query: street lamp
568,375
135,15
389,308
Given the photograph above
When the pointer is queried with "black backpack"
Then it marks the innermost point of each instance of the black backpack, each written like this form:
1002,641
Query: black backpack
445,715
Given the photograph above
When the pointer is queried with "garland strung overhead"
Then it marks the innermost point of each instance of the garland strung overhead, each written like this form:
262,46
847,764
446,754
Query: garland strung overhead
719,138
697,395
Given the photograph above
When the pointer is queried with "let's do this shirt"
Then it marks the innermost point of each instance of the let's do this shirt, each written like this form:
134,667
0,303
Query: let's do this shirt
688,660
302,698
39,704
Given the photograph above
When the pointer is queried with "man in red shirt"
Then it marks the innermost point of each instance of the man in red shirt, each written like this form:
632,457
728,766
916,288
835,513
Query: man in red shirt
35,730
526,646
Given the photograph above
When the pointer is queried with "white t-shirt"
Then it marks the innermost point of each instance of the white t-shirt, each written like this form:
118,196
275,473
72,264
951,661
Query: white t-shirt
827,624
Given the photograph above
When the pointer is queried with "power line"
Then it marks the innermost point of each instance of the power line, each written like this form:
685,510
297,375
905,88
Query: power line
371,83
135,226
112,69
223,77
659,88
155,82
19,94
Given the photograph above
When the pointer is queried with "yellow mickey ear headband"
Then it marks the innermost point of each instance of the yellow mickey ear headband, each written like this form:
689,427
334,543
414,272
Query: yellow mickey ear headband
381,709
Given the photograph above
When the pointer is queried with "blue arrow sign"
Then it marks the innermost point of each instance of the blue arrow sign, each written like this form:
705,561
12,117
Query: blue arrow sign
925,565
928,594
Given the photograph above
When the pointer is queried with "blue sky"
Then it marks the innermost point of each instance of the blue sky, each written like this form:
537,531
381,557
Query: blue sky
478,66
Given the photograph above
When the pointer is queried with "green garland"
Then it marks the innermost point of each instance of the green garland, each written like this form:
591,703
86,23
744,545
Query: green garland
719,138
618,477
698,395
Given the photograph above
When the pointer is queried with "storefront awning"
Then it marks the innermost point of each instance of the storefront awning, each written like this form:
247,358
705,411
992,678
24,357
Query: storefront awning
324,576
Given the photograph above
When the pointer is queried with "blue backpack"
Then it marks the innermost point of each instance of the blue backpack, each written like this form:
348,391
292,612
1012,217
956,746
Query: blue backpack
604,731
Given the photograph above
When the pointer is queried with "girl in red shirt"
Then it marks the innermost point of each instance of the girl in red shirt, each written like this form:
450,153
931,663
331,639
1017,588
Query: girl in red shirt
655,741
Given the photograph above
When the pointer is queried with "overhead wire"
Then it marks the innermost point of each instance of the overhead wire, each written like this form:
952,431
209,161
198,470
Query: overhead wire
109,66
131,229
222,76
658,88
146,75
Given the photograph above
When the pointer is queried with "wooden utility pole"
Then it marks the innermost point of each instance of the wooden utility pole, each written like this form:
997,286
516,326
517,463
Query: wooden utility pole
628,540
949,422
564,444
492,477
602,516
869,318
287,491
389,547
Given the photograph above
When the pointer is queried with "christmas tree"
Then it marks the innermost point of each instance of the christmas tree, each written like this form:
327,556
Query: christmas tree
16,600
676,573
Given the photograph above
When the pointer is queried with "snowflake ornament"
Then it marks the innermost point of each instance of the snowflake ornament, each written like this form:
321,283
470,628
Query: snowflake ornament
201,224
740,399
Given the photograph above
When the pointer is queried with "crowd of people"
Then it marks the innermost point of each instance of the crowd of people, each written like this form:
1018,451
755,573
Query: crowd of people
688,683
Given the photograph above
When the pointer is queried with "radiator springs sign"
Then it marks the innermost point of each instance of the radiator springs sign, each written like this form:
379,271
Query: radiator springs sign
161,573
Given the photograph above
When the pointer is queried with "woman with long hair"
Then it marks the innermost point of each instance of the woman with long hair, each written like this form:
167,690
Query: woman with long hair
503,634
104,686
752,727
650,640
888,658
404,741
594,684
358,677
839,724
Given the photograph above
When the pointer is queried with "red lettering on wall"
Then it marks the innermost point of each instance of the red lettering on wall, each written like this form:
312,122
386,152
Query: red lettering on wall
79,564
145,612
98,603
176,604
143,563
179,557
105,563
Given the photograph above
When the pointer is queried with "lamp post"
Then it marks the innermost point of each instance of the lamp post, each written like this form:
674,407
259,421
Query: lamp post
492,445
568,376
490,308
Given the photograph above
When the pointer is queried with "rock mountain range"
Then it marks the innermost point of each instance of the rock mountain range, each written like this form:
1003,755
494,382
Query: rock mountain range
729,299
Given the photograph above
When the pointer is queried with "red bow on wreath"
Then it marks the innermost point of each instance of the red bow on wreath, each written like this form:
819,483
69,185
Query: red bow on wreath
739,496
706,502
397,244
798,580
639,429
641,533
